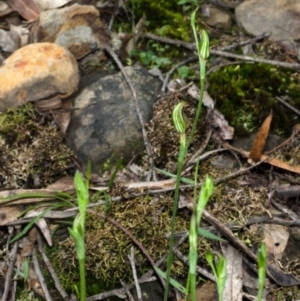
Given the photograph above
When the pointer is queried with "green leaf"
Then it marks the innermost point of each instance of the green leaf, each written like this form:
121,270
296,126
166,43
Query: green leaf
205,193
209,235
25,268
32,222
79,242
210,260
183,71
182,179
262,255
176,284
262,266
83,196
114,174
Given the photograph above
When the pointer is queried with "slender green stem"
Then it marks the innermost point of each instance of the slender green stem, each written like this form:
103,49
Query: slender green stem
193,287
196,119
82,279
262,265
180,126
182,153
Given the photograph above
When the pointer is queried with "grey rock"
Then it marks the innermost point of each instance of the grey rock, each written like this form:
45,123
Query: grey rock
247,142
106,128
217,18
281,18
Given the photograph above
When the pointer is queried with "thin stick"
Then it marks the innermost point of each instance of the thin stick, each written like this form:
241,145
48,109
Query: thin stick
281,100
233,239
137,107
201,271
127,291
195,157
40,276
167,77
136,282
192,46
57,284
243,43
253,59
12,259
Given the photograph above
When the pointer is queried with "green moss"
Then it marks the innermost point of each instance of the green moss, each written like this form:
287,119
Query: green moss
246,93
31,149
16,123
164,17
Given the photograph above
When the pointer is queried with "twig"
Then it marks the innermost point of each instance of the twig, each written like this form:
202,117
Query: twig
271,271
283,192
287,212
273,220
225,4
12,259
251,297
111,22
215,68
40,276
136,282
201,271
193,160
256,60
57,284
243,43
154,37
227,232
296,130
281,100
127,291
167,77
118,291
192,46
137,107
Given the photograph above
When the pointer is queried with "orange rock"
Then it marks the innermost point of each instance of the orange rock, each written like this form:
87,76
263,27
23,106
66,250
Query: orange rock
37,71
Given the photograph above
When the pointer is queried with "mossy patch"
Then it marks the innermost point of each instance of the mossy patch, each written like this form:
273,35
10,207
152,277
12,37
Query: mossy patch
165,14
246,93
30,151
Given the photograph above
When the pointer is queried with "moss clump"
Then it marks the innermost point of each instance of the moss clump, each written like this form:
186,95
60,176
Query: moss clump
164,17
246,93
30,150
107,247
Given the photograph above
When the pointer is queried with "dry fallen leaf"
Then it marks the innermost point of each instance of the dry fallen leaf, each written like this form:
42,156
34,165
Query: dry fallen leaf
42,224
63,116
234,274
260,141
139,29
272,161
49,4
9,214
276,238
26,8
5,9
218,120
207,292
